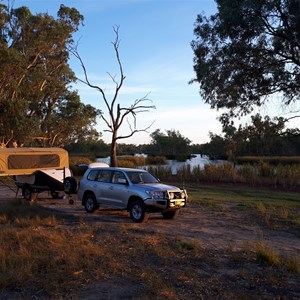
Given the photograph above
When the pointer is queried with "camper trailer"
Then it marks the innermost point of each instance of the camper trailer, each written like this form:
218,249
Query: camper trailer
36,170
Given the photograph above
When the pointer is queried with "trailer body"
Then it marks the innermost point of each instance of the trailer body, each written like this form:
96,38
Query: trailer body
25,161
37,170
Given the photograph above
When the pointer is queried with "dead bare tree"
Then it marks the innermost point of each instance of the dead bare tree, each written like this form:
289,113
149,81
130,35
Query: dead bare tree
117,114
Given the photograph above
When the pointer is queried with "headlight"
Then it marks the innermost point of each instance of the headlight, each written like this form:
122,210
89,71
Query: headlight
171,195
183,195
155,194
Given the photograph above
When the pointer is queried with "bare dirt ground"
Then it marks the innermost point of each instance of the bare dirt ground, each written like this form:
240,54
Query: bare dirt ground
212,229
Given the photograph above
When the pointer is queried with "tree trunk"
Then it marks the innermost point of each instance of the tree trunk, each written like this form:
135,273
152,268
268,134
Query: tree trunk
113,151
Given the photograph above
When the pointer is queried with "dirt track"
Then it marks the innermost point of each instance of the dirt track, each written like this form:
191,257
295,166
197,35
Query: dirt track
212,229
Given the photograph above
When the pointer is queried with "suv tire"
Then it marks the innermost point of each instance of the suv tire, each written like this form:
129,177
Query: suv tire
138,212
90,203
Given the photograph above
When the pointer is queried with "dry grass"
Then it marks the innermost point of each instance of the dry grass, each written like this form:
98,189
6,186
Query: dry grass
266,254
279,216
292,263
36,250
46,256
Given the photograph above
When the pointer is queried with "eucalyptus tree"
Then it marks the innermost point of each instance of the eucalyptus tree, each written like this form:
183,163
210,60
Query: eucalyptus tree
35,78
262,136
172,144
248,52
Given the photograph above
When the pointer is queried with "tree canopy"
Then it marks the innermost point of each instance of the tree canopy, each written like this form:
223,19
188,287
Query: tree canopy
36,98
263,136
172,144
248,52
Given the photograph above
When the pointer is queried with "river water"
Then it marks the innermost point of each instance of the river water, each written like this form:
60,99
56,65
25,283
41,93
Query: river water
197,160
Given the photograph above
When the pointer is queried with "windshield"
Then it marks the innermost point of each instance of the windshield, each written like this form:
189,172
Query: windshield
141,177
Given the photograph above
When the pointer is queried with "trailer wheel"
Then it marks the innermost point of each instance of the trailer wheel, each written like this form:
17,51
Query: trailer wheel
70,185
27,194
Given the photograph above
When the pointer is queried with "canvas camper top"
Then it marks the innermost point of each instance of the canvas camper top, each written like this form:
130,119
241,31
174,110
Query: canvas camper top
23,161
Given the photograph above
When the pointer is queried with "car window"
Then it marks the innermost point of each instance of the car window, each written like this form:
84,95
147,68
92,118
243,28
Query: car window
141,177
134,177
104,176
92,175
118,177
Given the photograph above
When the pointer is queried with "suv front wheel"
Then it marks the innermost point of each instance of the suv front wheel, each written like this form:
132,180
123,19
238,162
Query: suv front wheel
138,212
90,203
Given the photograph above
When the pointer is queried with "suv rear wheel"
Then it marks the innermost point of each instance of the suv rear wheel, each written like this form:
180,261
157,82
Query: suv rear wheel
90,203
138,212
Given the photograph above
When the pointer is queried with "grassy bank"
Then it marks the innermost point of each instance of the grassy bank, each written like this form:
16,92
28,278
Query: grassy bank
48,255
261,175
277,210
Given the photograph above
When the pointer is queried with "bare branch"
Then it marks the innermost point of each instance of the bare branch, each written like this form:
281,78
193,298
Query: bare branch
74,51
135,131
136,108
107,124
119,84
293,117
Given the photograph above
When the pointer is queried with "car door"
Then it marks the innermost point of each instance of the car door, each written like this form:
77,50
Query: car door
117,193
102,184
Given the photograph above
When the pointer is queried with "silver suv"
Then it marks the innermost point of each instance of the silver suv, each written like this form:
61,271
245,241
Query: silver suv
135,190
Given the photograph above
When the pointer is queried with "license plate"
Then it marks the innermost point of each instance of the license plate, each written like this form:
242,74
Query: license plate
178,203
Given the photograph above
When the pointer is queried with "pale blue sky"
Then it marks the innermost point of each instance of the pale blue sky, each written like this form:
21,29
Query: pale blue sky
156,55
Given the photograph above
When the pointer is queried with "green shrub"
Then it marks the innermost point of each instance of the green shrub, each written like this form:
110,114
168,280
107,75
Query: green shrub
131,161
156,160
126,163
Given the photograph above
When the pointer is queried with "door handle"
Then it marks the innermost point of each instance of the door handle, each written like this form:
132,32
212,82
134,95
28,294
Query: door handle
111,187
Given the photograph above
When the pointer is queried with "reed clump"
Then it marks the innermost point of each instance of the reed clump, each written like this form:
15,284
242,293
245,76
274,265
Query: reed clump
261,174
